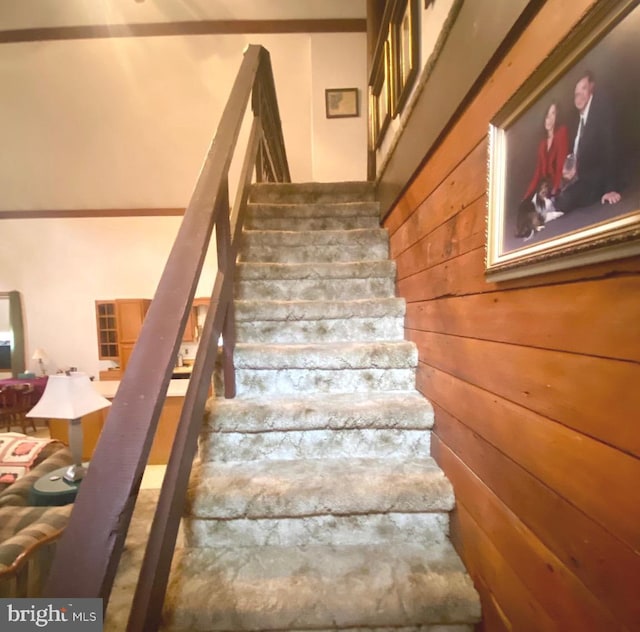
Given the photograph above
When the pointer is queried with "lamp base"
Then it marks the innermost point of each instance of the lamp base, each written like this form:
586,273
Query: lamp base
75,473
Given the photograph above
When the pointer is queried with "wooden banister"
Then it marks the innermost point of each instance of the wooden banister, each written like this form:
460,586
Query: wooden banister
90,548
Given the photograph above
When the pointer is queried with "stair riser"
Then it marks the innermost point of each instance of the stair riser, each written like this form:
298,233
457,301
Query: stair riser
312,193
313,444
288,311
311,223
307,254
339,237
331,209
354,329
255,382
316,290
315,271
346,530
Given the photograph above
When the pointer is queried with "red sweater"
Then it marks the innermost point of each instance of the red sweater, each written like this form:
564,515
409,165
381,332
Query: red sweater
549,162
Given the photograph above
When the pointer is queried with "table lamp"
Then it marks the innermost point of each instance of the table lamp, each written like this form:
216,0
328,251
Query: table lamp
70,396
41,357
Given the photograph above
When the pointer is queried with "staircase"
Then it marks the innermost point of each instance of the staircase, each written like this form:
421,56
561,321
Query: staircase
314,504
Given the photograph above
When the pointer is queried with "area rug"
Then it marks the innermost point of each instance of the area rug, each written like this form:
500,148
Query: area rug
129,568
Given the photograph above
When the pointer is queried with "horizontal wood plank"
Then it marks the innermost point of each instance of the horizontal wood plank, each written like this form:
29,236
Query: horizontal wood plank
592,317
581,392
597,479
605,566
183,28
497,580
458,190
493,617
564,598
465,275
461,233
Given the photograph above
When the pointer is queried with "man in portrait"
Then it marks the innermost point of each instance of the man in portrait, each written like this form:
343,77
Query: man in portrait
591,174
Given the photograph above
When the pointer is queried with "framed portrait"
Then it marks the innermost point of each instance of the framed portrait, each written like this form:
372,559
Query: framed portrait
341,102
405,50
564,154
380,103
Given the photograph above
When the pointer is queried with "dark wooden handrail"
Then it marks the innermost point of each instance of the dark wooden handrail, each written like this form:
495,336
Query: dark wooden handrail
90,548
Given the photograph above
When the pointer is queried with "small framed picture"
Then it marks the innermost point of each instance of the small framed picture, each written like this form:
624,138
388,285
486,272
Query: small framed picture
341,102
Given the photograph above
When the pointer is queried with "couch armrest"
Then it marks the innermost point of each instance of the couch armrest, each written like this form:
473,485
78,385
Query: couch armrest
25,557
17,494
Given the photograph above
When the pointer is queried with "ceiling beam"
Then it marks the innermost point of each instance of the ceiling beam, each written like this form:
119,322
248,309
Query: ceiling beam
204,27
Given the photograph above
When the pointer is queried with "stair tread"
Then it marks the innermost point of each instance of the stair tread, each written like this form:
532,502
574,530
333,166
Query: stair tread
305,487
319,586
283,311
405,409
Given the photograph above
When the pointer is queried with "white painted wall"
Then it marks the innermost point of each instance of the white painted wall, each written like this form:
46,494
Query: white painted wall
20,14
125,123
339,144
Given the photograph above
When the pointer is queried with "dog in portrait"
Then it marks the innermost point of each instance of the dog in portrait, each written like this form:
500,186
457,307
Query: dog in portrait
534,213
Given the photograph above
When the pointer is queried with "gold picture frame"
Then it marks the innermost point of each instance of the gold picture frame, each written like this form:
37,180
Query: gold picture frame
580,221
380,91
405,51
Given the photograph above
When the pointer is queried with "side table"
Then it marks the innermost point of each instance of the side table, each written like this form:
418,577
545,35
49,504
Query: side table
52,490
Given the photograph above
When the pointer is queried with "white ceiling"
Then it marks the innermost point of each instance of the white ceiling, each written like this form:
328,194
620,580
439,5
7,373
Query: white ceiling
22,14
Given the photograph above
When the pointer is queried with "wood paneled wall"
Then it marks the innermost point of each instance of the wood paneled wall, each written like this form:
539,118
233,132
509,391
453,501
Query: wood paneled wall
535,383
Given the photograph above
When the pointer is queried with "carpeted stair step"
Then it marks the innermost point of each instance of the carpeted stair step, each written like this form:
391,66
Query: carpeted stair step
311,192
311,444
312,217
402,410
321,486
356,529
298,503
327,368
365,320
319,281
324,587
380,426
280,246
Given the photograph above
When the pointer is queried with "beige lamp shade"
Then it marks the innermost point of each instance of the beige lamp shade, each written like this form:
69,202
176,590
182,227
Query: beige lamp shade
39,354
68,397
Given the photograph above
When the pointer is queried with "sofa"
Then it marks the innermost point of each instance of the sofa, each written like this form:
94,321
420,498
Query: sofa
28,534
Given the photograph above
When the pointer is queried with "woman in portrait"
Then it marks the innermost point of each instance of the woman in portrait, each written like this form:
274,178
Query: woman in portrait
552,151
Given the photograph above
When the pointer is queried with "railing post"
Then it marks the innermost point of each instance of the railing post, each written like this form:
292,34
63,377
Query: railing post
226,266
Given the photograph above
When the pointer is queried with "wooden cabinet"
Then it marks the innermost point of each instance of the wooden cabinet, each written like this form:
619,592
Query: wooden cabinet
189,334
130,313
110,374
106,323
92,425
119,323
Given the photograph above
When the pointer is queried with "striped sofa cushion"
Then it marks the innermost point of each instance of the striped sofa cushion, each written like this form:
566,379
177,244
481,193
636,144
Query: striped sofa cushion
22,527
